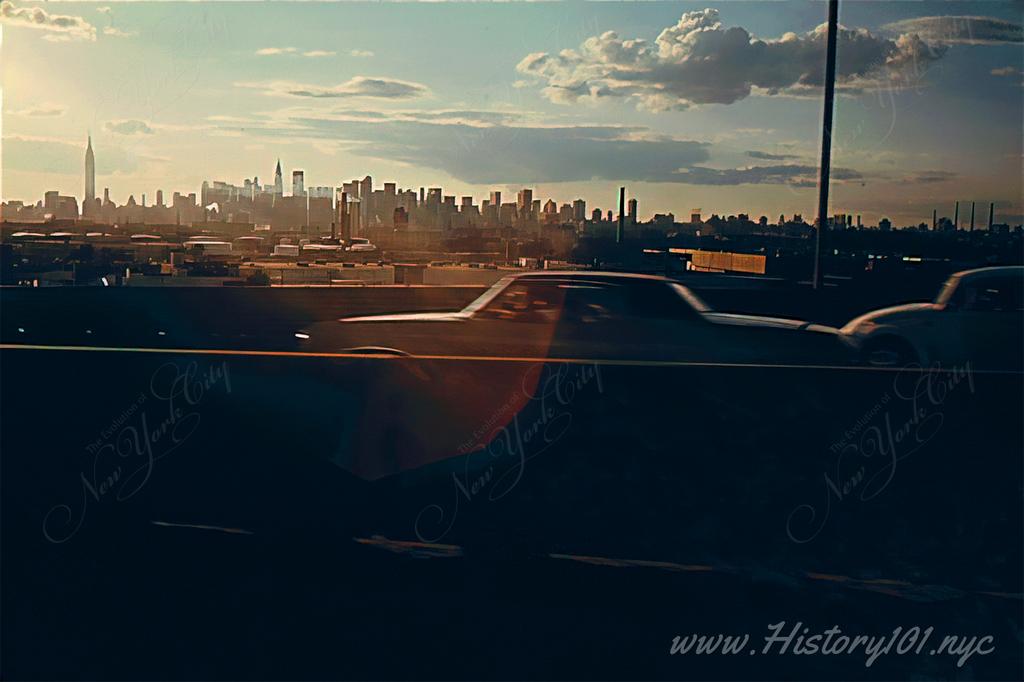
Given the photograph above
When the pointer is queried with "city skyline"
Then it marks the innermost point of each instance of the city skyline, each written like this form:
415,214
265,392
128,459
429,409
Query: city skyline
235,96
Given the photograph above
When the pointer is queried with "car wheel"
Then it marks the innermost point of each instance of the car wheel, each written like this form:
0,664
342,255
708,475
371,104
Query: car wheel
889,352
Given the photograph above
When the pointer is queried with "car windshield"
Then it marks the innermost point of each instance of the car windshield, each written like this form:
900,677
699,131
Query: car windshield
483,299
947,291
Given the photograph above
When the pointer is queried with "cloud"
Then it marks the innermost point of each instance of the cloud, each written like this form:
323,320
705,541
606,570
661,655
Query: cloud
269,51
103,10
129,127
41,111
960,30
73,28
698,61
754,154
360,86
929,177
789,174
49,155
111,31
1005,71
493,147
360,53
319,53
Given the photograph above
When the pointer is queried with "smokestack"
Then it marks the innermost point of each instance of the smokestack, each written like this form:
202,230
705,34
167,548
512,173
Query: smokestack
991,213
972,216
956,216
622,215
935,219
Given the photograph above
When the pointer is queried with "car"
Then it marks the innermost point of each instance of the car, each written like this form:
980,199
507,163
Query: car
588,315
360,244
976,318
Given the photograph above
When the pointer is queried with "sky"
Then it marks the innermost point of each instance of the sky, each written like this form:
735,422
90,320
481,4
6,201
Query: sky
703,105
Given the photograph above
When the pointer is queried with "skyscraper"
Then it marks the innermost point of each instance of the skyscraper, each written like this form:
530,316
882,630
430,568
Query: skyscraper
579,210
524,202
298,184
278,180
90,175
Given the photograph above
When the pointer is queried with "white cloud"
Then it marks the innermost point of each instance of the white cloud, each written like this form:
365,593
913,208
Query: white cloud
71,27
103,10
129,127
360,86
319,53
269,51
361,53
116,32
41,111
771,156
960,30
698,61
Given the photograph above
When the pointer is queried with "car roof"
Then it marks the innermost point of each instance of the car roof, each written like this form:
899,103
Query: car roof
588,274
991,271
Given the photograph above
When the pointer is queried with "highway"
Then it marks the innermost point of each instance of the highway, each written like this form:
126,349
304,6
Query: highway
253,513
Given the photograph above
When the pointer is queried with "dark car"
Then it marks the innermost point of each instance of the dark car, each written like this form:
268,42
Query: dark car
586,315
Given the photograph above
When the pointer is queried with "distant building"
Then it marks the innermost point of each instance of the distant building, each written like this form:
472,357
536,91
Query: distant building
579,210
90,177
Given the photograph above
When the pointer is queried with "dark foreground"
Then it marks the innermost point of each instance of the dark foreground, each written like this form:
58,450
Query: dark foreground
589,515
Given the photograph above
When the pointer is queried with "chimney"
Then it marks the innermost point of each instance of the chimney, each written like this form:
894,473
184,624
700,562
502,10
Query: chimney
972,216
991,214
956,216
935,219
622,215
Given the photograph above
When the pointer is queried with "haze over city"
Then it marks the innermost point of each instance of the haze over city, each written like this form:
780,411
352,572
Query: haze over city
569,99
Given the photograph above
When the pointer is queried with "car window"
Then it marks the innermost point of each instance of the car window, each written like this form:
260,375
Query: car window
483,299
632,300
526,302
660,301
594,302
996,294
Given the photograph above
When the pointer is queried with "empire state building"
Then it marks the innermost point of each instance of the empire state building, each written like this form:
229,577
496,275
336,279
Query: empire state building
90,176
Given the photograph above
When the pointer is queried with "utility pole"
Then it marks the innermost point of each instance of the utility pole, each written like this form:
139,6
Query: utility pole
826,137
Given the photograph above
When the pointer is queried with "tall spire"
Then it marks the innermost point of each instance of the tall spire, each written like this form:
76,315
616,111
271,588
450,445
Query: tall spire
90,176
278,180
